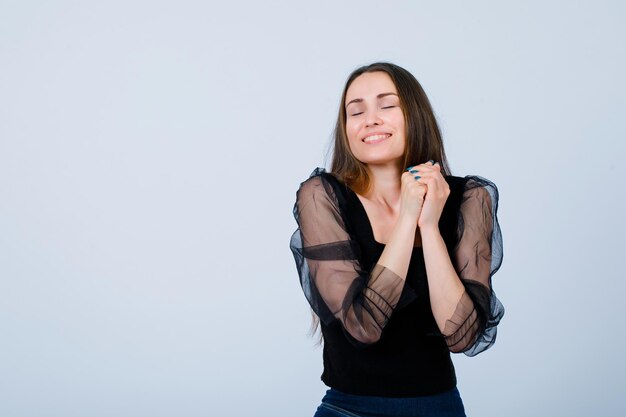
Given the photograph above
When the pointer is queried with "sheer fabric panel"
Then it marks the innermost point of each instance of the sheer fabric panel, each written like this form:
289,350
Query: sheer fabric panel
329,268
478,255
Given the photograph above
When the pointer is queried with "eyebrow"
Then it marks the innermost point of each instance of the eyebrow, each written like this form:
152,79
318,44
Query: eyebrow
360,100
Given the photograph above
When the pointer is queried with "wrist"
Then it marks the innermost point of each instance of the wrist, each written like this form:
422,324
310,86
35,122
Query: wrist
408,220
429,231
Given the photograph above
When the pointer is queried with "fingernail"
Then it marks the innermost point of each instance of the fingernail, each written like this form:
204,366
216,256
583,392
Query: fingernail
417,177
409,168
414,171
431,161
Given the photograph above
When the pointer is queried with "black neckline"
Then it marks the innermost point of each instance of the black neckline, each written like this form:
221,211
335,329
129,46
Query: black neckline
368,222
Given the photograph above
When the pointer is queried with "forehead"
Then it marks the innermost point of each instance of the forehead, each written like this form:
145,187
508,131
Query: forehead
370,84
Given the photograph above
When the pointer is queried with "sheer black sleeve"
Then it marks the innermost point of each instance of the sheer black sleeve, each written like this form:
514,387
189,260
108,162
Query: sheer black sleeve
478,255
327,260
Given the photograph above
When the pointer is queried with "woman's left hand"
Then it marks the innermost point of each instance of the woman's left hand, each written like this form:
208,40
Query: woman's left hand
436,194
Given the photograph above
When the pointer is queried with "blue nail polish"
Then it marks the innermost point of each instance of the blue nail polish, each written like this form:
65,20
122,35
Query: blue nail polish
409,169
414,171
417,177
431,161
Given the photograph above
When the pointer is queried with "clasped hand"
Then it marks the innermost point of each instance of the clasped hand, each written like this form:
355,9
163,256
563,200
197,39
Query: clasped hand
424,193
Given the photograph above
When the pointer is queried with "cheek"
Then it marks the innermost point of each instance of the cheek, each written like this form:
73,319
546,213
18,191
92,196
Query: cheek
398,119
351,130
400,125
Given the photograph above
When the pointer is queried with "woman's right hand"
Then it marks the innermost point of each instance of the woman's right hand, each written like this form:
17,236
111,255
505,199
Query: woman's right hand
412,195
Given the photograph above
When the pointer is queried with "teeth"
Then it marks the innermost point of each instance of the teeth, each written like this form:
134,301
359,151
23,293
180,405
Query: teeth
375,137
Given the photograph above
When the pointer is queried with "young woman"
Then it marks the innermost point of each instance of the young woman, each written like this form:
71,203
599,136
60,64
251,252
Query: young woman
395,255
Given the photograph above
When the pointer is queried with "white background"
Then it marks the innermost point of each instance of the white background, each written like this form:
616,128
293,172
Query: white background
150,153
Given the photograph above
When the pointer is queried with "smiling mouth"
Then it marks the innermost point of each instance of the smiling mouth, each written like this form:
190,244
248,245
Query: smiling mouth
375,138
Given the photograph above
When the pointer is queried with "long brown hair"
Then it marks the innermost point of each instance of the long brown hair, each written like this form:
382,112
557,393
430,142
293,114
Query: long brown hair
423,137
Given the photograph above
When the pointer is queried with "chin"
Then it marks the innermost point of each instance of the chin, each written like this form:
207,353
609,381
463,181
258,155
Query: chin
380,161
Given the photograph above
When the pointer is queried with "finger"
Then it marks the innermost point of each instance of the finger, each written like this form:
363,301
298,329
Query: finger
437,186
413,169
429,182
422,178
408,180
432,163
435,183
411,181
408,176
424,170
423,174
417,189
426,166
418,170
411,173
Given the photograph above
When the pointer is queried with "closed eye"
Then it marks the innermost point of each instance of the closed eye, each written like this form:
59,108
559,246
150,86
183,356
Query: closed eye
386,107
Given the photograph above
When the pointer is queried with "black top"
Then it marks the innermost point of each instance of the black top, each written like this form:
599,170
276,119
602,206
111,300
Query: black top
380,336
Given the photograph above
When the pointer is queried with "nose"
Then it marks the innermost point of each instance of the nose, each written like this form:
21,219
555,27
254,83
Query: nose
372,118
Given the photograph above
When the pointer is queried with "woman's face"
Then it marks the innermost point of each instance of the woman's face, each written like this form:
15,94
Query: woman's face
374,120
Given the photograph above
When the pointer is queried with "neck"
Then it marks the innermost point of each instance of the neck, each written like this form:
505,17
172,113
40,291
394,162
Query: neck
385,185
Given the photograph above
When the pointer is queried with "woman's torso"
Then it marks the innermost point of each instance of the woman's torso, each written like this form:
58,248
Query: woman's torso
411,358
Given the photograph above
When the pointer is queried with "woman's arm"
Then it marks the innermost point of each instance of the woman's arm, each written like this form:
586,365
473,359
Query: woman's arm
399,247
463,304
444,284
329,264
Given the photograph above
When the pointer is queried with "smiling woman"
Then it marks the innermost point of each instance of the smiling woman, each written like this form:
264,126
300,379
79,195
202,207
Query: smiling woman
375,122
395,255
399,91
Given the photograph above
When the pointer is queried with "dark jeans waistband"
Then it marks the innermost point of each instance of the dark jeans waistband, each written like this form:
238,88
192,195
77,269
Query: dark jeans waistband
337,403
